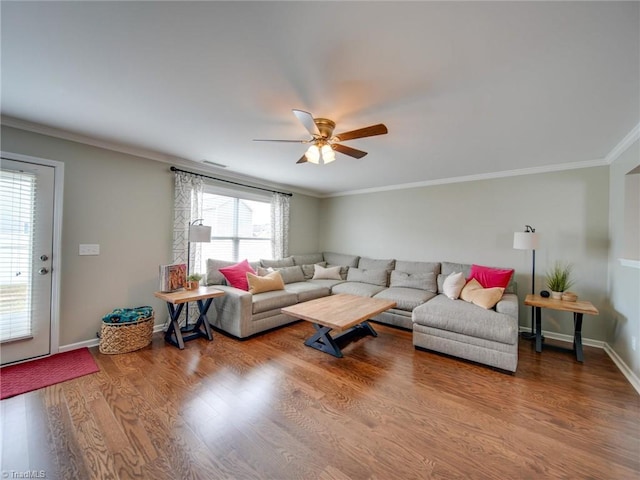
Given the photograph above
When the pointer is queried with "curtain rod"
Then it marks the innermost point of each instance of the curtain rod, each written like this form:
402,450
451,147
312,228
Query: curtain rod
174,169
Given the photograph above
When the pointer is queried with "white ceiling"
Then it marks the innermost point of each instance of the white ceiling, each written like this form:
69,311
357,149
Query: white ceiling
465,88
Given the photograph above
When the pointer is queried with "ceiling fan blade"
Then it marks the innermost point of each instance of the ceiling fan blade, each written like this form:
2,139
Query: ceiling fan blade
352,152
379,129
288,141
306,119
303,159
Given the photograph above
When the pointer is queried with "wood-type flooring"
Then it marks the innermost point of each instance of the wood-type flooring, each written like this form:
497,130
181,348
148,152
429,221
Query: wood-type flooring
271,408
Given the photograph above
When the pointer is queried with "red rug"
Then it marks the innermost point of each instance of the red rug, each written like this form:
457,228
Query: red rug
28,376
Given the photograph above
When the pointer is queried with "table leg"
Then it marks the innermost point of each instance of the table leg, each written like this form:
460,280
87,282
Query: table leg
538,329
321,340
196,330
577,336
174,326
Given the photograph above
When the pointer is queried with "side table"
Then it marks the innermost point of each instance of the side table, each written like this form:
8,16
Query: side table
175,303
577,308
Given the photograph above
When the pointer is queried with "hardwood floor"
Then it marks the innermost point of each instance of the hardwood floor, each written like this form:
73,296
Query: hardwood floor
269,407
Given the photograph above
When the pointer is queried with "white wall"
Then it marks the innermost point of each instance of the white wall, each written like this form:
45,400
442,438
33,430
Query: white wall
473,222
125,204
624,281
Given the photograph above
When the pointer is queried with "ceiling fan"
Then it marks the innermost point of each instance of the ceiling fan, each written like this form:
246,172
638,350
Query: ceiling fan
324,142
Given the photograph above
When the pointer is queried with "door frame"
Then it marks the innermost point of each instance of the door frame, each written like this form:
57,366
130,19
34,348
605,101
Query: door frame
56,258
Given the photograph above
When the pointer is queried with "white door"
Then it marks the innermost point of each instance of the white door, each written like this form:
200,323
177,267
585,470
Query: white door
26,250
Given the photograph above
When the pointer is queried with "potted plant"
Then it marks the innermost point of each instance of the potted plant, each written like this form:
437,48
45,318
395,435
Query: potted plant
559,279
193,281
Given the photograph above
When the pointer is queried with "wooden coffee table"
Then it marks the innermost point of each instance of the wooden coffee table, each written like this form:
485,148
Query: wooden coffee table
343,313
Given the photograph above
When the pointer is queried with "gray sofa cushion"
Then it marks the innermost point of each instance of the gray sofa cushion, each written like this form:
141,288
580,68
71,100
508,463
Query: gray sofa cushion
341,259
405,298
291,274
214,277
357,288
325,283
263,302
307,291
366,263
374,277
418,267
307,258
283,262
467,319
420,281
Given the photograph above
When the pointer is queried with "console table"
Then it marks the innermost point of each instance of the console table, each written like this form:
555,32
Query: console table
175,303
577,308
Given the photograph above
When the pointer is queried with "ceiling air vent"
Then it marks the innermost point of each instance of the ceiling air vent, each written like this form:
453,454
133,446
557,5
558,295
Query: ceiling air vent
214,164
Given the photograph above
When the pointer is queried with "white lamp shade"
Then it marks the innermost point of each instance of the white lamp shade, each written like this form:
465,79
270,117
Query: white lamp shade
525,240
199,233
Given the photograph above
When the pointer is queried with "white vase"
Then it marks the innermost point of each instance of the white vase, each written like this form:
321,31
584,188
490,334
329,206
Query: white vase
556,295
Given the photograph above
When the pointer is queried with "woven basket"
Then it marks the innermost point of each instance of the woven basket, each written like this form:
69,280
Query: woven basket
126,337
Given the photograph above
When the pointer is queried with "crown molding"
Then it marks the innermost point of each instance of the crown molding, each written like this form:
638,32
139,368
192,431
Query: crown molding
199,167
472,178
625,143
87,140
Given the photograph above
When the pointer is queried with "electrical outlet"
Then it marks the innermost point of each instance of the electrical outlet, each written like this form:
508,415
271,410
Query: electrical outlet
89,249
633,343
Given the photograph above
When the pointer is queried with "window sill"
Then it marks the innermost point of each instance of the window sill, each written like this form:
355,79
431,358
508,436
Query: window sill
626,262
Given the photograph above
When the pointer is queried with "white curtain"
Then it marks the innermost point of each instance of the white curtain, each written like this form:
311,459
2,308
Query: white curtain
280,224
187,207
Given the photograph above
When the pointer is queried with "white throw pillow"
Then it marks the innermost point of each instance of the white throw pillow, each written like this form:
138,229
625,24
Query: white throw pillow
453,285
331,273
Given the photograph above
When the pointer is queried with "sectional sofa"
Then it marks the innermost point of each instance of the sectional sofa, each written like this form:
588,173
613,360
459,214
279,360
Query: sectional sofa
453,327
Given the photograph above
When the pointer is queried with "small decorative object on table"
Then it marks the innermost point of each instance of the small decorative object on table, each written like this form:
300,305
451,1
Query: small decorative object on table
172,277
193,281
126,329
559,279
569,297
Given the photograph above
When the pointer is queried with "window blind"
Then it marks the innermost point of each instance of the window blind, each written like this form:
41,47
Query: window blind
240,228
17,217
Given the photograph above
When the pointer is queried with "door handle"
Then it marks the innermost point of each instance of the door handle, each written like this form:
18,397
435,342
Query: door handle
43,271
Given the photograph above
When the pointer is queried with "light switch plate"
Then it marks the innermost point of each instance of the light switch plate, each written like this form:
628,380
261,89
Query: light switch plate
89,249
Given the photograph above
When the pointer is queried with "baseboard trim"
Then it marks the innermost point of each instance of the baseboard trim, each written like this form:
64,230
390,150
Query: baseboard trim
96,341
623,367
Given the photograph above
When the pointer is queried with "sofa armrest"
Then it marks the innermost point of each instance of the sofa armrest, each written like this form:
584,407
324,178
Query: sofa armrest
233,311
508,305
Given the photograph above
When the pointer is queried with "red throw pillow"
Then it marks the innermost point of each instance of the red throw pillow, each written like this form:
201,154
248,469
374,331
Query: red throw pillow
490,277
236,274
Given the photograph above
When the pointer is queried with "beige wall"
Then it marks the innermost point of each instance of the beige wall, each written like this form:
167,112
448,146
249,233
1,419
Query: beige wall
473,222
624,281
125,204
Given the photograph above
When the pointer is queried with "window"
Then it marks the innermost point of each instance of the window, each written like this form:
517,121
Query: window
17,215
240,226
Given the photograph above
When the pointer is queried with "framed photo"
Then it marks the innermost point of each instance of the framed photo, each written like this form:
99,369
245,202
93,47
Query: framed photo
173,277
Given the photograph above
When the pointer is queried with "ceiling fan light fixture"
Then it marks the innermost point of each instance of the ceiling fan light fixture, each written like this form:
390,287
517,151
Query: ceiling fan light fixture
328,155
313,154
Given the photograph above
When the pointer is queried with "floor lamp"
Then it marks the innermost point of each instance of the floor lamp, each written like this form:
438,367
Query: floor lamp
197,234
528,240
